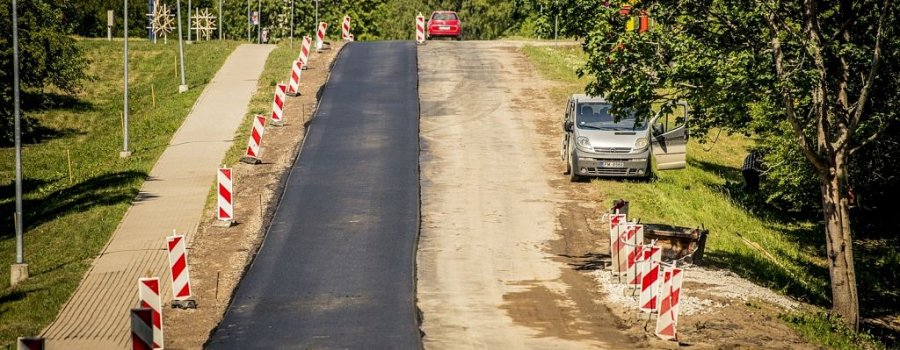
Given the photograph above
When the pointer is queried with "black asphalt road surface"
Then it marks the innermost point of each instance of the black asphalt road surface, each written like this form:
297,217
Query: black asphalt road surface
336,270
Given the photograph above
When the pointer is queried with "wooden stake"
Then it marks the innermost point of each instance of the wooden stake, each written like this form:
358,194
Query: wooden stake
69,160
153,94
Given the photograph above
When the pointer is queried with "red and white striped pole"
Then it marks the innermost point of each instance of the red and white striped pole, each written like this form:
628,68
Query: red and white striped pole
253,145
181,277
278,104
669,295
148,293
225,201
345,29
141,329
320,36
296,72
304,51
647,301
616,226
420,29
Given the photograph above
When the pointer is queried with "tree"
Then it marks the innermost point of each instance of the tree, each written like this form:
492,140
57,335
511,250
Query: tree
47,56
825,73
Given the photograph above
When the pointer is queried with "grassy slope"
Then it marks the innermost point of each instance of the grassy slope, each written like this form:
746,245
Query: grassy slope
68,222
707,193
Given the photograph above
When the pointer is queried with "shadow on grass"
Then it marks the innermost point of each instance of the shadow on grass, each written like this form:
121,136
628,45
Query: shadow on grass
765,273
103,190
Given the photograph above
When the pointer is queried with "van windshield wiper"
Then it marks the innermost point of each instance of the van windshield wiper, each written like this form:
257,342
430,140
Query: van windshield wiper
586,126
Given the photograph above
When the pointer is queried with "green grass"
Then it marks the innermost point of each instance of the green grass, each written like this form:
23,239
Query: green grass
68,220
708,193
277,70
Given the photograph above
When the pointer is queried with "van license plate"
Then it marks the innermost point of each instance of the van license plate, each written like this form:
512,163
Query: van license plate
612,164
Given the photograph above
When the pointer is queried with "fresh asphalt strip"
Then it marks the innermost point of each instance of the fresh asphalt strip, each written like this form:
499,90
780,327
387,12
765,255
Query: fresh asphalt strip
336,269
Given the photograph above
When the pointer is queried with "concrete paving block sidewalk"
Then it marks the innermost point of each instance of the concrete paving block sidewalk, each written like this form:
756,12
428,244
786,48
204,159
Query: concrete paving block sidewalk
173,197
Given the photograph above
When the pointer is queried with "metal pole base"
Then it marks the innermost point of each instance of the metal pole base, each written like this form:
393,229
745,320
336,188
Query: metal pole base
18,273
182,88
251,160
224,223
124,154
184,304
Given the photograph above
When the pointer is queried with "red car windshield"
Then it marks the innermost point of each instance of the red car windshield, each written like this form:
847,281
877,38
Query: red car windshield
444,16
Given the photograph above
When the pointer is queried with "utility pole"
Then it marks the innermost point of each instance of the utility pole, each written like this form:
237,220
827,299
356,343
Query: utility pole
125,153
19,270
259,20
221,22
556,22
292,24
316,25
189,21
183,87
249,20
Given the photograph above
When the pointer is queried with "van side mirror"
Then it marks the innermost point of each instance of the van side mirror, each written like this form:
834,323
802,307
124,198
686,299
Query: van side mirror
658,129
567,126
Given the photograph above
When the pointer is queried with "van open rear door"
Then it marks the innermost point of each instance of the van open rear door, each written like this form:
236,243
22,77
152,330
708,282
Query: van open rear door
669,138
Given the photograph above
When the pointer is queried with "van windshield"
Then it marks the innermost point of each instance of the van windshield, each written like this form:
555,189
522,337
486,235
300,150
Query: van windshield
595,115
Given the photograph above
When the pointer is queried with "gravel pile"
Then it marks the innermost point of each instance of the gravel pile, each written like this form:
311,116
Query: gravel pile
722,284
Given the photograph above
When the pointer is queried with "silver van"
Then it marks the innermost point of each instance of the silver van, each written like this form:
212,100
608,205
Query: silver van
595,144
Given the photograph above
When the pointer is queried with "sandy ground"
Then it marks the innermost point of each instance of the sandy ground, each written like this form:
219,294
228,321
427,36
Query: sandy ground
487,278
511,253
219,256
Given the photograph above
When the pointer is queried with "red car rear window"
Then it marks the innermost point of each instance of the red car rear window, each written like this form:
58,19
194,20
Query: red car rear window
444,16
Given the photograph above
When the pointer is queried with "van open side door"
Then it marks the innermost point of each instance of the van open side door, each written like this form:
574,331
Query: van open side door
669,136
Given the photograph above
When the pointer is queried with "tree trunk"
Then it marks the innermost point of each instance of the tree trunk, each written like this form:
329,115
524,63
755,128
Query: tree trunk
839,247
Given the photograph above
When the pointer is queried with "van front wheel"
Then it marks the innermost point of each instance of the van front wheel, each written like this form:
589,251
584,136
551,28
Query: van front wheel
573,170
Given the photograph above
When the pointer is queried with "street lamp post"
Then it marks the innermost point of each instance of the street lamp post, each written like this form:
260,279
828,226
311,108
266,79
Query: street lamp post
292,24
19,270
183,87
125,153
259,20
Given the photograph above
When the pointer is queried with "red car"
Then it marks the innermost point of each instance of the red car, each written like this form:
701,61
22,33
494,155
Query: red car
445,24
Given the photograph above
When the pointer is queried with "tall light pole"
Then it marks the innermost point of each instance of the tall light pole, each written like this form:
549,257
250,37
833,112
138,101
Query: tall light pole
292,24
249,20
183,87
19,270
189,21
556,22
316,25
221,22
259,20
125,153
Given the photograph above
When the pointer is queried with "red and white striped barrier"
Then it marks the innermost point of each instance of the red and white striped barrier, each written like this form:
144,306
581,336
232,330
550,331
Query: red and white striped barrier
304,51
345,29
669,295
141,329
320,36
256,135
31,343
616,226
181,277
629,241
148,293
635,245
225,202
652,254
278,104
296,72
420,29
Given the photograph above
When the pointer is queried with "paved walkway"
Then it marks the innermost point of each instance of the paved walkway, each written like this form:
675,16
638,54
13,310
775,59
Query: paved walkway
96,317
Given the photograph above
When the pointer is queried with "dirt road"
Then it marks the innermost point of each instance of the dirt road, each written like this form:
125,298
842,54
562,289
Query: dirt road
487,277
